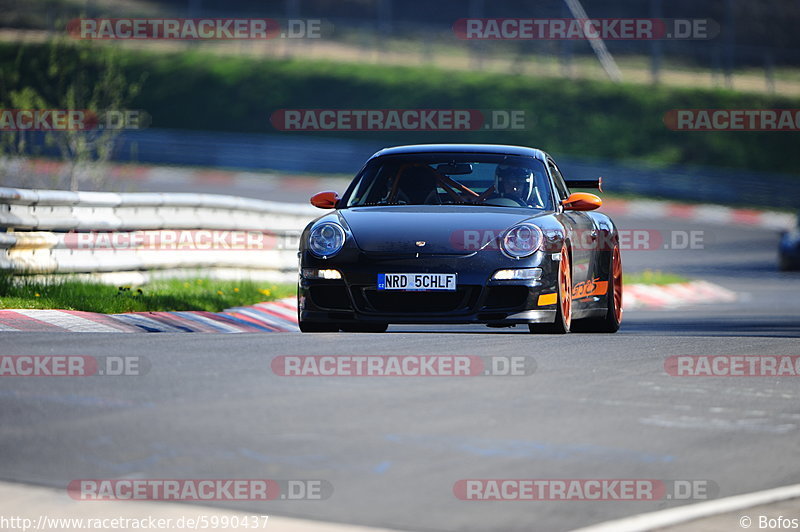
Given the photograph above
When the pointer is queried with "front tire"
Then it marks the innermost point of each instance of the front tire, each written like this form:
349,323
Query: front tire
563,321
610,322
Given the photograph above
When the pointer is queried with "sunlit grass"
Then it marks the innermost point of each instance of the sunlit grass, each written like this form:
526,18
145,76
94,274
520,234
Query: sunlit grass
167,295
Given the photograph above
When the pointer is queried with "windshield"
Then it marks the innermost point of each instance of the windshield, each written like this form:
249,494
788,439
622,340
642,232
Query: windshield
452,179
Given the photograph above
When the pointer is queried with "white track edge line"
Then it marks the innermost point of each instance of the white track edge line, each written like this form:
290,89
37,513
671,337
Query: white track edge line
692,512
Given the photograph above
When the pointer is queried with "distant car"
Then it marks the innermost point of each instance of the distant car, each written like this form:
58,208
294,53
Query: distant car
789,249
456,234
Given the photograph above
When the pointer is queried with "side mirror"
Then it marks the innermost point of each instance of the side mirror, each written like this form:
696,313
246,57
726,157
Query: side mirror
581,201
325,200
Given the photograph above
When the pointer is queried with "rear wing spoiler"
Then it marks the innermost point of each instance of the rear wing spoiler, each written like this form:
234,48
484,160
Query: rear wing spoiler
585,183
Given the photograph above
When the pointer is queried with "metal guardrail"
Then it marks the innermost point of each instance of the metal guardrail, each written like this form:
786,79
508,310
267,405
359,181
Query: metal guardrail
105,234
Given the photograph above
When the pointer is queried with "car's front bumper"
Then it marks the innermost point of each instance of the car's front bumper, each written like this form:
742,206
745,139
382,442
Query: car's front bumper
478,298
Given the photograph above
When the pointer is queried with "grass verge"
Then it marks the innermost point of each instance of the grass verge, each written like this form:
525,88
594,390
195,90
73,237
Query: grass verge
167,295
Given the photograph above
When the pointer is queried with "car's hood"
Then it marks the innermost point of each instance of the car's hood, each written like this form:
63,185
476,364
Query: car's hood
457,229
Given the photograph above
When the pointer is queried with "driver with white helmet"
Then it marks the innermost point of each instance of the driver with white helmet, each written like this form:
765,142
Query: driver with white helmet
513,185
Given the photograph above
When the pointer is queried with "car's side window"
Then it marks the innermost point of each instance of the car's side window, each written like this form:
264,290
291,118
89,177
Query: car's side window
558,181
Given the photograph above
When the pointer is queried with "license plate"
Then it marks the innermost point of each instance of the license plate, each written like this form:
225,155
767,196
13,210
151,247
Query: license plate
422,282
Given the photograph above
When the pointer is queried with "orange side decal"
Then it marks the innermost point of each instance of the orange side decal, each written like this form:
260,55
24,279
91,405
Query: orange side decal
590,289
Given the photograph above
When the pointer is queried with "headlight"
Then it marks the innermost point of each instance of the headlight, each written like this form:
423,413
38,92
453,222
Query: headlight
326,239
522,240
314,273
518,274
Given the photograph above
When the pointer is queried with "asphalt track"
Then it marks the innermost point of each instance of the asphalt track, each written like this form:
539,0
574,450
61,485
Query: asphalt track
598,406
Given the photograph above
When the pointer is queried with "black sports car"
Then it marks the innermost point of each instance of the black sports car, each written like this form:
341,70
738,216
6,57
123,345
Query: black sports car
460,233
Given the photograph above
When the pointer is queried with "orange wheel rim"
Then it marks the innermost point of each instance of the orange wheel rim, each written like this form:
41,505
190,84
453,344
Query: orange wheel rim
616,271
566,287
